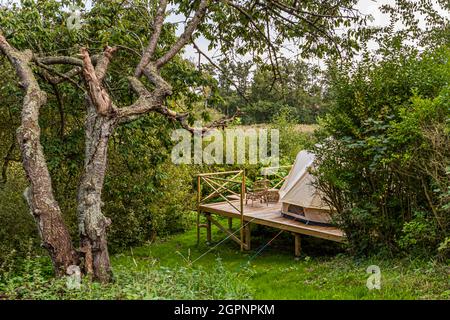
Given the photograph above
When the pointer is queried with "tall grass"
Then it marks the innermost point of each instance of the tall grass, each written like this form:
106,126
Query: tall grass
33,280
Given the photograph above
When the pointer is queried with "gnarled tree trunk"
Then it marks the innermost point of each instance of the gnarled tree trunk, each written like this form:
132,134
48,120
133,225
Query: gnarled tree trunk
39,195
92,222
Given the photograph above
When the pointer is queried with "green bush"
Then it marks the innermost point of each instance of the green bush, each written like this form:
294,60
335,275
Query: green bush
420,233
17,225
384,152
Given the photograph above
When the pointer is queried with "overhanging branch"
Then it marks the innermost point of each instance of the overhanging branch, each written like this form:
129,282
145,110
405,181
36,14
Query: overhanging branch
185,36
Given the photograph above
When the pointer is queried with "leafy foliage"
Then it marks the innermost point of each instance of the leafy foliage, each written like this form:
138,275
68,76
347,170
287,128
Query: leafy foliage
17,224
383,164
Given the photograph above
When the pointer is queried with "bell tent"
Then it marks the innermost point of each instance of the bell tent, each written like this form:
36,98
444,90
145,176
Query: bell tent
299,198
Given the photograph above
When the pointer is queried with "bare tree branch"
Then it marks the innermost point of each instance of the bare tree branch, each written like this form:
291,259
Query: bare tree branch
297,10
103,62
184,38
271,48
182,119
154,102
147,100
62,60
312,24
150,50
60,77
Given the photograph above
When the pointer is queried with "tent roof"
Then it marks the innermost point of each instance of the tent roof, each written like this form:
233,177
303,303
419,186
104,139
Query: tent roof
298,187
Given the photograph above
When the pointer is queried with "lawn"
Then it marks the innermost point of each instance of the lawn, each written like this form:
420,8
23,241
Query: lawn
324,271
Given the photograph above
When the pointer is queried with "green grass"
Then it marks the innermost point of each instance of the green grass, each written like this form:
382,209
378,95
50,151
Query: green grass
176,268
324,271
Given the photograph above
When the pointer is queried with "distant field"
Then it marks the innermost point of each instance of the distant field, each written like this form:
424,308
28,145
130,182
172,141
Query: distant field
307,128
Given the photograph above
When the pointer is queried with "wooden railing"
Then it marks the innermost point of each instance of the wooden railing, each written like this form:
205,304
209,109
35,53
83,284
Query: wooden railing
223,186
230,187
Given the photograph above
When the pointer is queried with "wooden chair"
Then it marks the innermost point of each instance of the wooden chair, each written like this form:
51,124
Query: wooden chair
259,191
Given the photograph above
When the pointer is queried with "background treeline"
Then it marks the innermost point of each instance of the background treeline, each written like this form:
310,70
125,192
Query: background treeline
262,93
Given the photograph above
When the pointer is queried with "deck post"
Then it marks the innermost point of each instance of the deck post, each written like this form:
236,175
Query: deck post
298,245
208,228
198,227
247,236
242,209
199,198
230,224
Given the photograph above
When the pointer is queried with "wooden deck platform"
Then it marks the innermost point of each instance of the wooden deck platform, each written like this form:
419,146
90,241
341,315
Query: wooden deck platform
220,185
270,215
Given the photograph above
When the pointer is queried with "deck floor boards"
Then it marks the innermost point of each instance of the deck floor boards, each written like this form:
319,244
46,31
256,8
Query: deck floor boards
270,215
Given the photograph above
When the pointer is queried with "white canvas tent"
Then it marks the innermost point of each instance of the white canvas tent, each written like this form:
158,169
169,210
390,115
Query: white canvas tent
299,198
